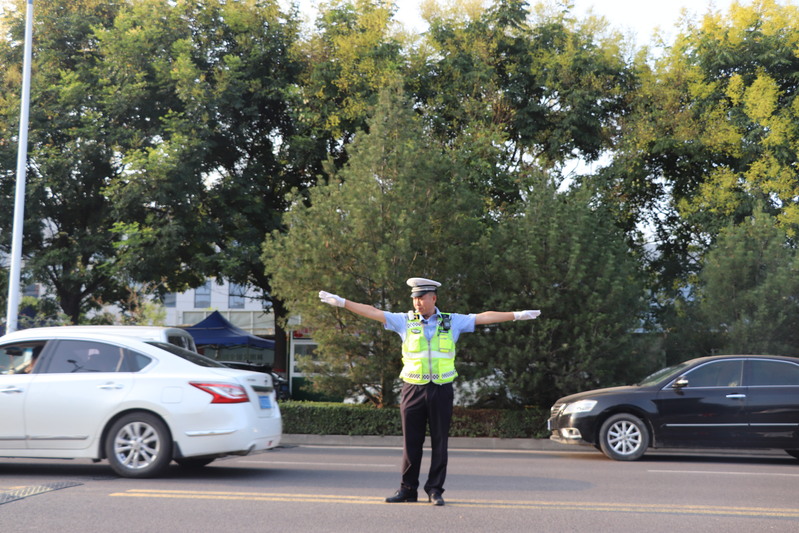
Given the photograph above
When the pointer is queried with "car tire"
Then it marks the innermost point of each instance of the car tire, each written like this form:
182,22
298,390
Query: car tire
138,445
194,462
624,437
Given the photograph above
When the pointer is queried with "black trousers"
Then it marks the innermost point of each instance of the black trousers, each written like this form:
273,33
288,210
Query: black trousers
422,406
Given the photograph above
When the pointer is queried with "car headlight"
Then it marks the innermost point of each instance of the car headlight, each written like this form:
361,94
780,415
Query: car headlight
583,406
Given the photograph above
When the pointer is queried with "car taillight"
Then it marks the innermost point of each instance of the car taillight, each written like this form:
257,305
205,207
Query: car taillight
224,392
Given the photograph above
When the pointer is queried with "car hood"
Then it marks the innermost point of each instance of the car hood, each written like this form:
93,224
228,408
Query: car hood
597,393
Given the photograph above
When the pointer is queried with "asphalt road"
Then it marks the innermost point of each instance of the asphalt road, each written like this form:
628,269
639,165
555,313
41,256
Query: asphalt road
308,488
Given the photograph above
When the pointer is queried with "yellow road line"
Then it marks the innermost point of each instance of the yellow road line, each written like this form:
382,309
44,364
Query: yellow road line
493,504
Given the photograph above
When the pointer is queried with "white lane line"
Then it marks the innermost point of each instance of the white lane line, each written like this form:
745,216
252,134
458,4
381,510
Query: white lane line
453,449
307,463
722,473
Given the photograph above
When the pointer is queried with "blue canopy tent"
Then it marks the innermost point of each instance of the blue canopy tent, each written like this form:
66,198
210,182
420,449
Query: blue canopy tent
216,337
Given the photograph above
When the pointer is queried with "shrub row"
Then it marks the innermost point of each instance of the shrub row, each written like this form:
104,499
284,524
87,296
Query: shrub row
321,418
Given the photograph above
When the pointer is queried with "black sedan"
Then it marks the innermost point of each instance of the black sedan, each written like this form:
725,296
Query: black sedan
733,401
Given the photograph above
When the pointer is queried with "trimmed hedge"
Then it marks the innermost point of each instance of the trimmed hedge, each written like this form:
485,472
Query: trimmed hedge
322,418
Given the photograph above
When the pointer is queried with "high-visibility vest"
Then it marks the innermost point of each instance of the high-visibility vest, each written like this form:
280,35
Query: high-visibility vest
424,361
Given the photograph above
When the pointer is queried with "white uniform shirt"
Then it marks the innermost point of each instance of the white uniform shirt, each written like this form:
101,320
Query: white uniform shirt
398,322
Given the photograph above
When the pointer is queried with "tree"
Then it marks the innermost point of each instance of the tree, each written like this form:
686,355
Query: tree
393,212
40,311
565,255
551,85
712,133
184,144
353,54
749,289
164,232
209,90
68,242
711,136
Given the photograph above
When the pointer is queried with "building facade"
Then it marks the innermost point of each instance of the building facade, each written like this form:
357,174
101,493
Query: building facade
239,304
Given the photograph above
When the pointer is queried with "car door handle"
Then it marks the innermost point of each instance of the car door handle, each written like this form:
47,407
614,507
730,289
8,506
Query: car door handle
736,396
11,389
111,386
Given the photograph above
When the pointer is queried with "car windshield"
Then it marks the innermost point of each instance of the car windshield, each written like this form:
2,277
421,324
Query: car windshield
662,374
194,357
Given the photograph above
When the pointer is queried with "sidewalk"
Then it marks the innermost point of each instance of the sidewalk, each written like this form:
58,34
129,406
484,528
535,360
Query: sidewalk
466,443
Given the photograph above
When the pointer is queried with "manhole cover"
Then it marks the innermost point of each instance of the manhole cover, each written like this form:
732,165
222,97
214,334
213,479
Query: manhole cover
18,494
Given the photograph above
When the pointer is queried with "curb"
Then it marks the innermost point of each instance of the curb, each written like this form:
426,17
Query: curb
466,443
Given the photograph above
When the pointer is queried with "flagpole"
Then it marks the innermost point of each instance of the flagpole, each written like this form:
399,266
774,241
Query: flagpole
22,165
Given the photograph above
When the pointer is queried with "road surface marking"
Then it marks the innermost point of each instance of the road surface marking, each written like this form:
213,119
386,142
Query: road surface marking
645,508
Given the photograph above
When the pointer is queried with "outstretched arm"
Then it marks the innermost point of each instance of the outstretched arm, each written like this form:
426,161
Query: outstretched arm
364,310
492,317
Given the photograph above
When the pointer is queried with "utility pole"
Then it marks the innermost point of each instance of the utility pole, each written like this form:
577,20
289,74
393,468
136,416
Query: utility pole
22,165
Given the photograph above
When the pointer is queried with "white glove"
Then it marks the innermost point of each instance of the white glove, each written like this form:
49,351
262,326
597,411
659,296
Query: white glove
331,299
526,315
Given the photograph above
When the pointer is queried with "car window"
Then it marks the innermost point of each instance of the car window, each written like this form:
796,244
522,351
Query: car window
194,357
19,358
662,374
180,340
716,374
762,373
74,356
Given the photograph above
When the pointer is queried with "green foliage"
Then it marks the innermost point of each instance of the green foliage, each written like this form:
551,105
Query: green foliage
142,307
711,137
750,289
67,245
38,312
352,56
712,133
161,144
746,111
207,88
499,423
318,418
565,256
550,86
392,212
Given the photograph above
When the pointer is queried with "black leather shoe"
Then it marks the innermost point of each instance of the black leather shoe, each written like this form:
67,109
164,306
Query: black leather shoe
403,496
436,499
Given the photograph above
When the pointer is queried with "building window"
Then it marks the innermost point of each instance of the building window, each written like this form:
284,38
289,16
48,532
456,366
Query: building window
202,296
31,290
170,300
236,294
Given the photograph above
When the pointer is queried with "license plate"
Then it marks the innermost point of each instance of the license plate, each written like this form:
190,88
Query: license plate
266,402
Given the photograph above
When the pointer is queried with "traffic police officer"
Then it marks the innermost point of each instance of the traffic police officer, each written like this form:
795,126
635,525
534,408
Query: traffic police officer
428,358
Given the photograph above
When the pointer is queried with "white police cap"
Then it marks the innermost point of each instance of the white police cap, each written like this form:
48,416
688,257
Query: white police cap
420,286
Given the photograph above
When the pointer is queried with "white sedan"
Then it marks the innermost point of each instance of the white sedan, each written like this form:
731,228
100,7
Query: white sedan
69,393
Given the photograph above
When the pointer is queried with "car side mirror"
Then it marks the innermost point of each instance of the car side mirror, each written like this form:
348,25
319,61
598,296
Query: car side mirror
680,382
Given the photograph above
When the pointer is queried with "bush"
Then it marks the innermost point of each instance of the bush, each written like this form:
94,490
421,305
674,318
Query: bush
320,418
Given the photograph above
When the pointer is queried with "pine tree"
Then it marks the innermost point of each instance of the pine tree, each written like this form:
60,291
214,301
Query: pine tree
565,256
391,213
750,289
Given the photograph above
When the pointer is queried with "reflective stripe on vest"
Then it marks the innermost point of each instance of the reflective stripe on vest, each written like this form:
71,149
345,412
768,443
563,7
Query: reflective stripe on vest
423,361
